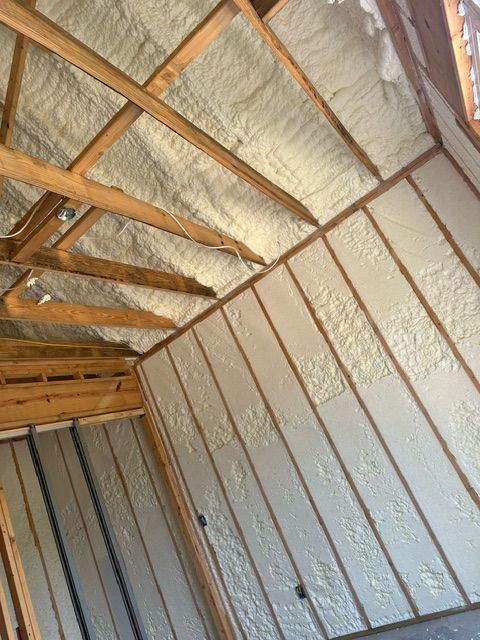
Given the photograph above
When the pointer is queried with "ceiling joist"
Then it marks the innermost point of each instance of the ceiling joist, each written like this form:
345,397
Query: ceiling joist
20,166
76,264
65,313
40,29
284,56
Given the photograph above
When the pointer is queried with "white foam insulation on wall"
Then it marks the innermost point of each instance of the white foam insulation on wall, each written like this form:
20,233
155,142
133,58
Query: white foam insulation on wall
240,94
331,447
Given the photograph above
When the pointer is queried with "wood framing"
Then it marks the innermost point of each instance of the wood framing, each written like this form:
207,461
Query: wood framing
282,53
207,580
12,349
20,166
45,391
440,29
196,42
45,32
9,109
73,233
6,626
65,313
76,264
393,22
22,603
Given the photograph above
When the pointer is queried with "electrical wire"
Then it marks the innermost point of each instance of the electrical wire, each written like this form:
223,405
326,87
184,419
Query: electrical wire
64,344
222,247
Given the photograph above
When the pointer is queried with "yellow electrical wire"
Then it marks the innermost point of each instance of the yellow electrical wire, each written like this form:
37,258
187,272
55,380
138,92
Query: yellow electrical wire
65,344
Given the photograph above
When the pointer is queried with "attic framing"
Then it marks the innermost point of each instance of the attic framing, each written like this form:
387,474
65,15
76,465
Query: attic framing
38,224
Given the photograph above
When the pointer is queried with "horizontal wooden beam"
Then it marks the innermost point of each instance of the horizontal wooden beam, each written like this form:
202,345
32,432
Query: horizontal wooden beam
76,264
65,313
73,233
109,417
285,57
19,348
42,403
40,29
20,166
53,366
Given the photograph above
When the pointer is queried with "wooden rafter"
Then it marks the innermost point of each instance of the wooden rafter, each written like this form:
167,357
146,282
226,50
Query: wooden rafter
45,32
73,233
76,264
196,42
285,57
20,166
65,313
393,22
43,212
13,88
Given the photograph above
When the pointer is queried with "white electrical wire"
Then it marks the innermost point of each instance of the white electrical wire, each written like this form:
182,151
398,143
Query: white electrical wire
199,244
220,247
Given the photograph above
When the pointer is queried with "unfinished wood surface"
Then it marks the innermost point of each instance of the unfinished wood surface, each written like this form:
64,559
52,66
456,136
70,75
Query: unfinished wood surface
39,29
108,417
403,375
195,42
393,22
65,370
282,53
17,582
65,313
77,264
73,233
9,110
42,403
6,626
20,166
197,554
13,348
383,187
440,28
